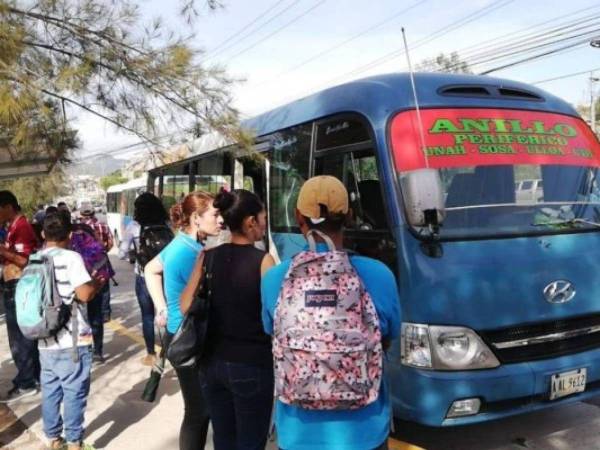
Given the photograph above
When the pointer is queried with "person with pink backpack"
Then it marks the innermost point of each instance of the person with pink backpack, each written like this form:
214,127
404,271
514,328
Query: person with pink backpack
330,315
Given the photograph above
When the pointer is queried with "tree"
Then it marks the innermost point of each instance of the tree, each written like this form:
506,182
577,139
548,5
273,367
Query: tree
112,179
445,63
96,56
32,191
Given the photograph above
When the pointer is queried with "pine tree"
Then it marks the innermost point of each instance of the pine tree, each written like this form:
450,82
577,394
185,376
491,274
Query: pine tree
97,56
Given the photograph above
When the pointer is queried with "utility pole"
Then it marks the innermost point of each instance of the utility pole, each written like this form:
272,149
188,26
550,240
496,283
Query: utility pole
595,43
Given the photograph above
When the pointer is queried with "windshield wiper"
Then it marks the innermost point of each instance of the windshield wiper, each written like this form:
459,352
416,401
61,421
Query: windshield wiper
565,223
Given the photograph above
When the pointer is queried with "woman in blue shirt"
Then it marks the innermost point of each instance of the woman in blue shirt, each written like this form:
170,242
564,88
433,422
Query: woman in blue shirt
196,218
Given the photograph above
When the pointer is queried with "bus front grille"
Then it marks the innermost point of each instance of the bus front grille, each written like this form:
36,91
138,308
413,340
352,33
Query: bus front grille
544,340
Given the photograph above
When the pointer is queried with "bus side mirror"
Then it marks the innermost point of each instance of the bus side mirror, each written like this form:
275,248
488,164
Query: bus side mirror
423,198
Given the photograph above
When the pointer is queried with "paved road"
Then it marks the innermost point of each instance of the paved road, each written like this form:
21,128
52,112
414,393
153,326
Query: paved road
117,419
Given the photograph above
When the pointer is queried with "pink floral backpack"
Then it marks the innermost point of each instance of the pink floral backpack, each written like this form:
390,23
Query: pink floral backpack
327,341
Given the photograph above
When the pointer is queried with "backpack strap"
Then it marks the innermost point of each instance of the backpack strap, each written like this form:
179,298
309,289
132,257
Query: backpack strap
75,328
312,245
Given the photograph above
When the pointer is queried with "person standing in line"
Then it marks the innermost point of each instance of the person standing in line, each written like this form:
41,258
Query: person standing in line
195,218
321,211
63,380
237,366
148,211
105,237
84,241
19,244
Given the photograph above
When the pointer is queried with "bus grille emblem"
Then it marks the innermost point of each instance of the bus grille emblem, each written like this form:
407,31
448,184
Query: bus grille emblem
559,291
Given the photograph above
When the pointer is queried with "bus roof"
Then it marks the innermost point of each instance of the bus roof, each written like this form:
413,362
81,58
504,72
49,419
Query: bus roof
378,96
131,184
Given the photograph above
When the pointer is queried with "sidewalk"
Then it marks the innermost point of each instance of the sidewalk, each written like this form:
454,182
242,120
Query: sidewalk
116,418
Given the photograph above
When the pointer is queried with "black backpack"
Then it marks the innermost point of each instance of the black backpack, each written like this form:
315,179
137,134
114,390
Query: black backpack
153,238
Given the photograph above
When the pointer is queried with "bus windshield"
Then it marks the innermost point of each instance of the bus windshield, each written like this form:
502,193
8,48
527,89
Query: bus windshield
505,171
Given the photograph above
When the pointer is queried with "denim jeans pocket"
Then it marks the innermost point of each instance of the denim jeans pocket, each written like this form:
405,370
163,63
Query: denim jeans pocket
244,380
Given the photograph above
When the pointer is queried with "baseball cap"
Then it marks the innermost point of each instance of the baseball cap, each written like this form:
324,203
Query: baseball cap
86,209
322,190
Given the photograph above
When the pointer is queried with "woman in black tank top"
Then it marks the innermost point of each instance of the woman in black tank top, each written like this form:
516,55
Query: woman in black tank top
237,372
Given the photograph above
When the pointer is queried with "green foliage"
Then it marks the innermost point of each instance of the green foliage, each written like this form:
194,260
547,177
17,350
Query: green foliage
112,179
98,56
32,191
445,63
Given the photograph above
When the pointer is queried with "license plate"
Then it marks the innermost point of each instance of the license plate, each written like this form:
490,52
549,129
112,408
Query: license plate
567,383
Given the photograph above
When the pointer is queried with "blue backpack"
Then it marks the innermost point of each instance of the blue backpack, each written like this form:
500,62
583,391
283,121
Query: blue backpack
41,312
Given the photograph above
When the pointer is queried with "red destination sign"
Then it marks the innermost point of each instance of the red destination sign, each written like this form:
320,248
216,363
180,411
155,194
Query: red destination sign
482,137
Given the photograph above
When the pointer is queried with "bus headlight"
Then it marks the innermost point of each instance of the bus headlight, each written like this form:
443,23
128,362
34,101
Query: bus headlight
415,345
445,348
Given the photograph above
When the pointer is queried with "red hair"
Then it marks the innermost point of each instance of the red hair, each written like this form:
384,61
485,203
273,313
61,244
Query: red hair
196,202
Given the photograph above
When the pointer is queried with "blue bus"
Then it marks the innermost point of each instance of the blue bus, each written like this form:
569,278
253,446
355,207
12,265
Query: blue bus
483,197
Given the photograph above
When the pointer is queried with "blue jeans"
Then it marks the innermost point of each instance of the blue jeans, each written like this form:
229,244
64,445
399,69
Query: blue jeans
240,399
96,317
147,308
68,382
24,351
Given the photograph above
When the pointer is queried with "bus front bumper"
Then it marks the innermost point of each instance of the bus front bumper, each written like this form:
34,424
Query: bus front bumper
425,396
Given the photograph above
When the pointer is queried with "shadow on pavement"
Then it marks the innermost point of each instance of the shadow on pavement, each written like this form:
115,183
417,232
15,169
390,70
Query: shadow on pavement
128,409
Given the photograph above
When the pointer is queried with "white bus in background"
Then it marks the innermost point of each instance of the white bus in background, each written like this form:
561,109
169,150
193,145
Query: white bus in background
119,204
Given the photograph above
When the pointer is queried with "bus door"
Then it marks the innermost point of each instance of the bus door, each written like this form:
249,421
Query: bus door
345,150
249,174
213,172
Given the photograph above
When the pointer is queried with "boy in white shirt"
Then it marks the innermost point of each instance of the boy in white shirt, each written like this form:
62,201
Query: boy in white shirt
62,379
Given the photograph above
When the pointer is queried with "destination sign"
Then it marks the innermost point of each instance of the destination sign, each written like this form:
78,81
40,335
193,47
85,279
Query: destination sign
479,137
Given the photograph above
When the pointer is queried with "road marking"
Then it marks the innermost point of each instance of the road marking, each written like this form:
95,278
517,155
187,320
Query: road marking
123,331
393,444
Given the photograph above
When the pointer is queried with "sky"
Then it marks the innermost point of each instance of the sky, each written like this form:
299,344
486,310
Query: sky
303,46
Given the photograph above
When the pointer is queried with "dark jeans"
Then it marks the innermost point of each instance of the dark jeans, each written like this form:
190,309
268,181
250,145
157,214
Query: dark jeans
24,351
95,317
194,428
147,308
240,399
106,309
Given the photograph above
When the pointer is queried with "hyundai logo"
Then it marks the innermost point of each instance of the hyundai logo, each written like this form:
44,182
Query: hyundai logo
559,291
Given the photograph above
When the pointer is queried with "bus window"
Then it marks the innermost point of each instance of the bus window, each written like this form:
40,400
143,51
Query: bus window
176,185
252,174
213,172
367,232
289,159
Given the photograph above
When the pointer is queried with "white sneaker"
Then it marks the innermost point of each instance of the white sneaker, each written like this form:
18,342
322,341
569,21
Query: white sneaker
17,394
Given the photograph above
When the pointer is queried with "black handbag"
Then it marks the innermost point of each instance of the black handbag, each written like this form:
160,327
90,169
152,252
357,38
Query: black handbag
188,344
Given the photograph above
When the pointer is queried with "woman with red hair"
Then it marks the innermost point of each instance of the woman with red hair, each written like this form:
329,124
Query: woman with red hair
196,218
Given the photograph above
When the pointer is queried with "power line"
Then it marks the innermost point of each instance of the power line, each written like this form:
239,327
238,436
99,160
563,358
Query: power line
569,75
341,44
432,36
507,55
509,48
248,25
524,32
531,58
245,36
287,24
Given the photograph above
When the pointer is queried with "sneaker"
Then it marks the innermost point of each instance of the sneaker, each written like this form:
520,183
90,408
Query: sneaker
17,394
97,358
57,444
149,360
